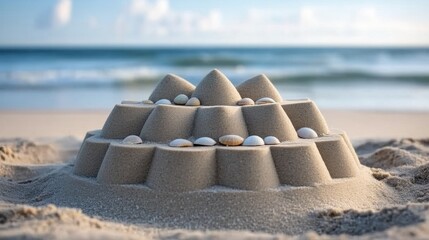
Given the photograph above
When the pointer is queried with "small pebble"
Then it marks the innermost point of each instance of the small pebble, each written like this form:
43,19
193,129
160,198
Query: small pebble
132,139
306,133
271,140
253,141
265,100
163,101
180,142
193,101
181,99
231,140
205,141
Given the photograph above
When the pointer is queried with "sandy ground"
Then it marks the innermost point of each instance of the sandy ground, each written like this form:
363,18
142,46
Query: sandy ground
40,198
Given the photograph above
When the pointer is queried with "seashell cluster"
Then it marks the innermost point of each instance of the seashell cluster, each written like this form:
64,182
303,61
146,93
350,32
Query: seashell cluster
205,141
231,140
180,142
181,99
132,139
163,101
253,141
193,101
306,133
246,102
271,140
265,100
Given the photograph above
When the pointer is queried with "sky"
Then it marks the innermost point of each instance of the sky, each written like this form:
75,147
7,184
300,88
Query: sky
210,22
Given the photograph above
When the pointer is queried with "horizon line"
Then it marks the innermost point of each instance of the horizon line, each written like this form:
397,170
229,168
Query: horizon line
214,46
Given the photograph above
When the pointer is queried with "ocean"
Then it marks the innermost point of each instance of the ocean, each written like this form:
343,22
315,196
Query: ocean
391,79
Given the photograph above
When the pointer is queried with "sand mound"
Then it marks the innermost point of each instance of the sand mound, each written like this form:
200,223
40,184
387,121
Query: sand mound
355,222
388,157
216,89
259,87
171,86
21,151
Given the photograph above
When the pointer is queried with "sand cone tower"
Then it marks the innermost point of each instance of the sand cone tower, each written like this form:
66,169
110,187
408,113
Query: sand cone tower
244,138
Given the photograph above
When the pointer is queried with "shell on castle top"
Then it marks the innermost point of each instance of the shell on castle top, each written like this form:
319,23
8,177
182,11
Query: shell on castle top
306,133
231,140
163,101
181,99
205,141
246,102
180,142
193,101
253,141
271,140
132,139
264,100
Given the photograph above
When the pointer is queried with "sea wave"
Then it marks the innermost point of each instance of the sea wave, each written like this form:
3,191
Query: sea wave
122,77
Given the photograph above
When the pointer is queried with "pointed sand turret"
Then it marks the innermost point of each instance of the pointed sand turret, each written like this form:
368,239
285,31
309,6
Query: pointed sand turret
259,87
216,89
171,86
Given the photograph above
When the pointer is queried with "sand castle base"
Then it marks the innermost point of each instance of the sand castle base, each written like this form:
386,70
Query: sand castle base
264,188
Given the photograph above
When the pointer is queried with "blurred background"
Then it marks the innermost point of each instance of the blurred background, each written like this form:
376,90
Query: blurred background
76,54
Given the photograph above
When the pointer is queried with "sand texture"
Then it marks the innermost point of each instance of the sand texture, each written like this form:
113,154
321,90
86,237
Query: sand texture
46,200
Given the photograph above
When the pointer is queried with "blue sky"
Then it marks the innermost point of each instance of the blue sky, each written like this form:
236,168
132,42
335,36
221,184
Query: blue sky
194,22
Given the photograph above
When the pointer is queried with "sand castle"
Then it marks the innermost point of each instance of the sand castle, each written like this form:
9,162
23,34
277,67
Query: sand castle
140,141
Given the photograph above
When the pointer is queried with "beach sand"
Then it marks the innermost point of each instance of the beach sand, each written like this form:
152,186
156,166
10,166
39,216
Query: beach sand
40,198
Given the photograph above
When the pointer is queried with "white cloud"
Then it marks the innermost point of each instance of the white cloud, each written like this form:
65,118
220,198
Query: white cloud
307,16
147,17
157,21
151,11
59,15
62,12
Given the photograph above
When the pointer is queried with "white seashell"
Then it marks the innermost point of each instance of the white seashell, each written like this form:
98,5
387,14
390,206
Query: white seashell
306,133
180,142
264,100
147,102
132,139
245,101
181,99
193,101
163,101
205,141
231,140
271,140
253,141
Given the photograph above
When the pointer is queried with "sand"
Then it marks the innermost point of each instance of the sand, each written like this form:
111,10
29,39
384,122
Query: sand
45,200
